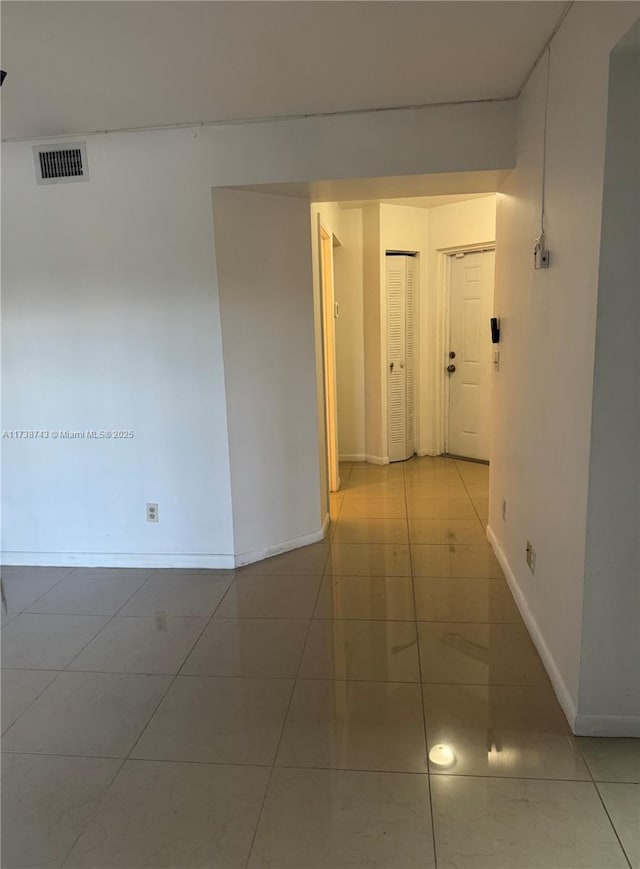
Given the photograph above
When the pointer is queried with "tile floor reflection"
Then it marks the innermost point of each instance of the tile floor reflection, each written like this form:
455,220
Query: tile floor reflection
371,701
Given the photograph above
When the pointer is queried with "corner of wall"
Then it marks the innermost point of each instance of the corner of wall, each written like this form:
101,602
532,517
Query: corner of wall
244,558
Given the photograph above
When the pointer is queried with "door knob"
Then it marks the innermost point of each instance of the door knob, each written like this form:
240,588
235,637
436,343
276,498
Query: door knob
391,364
451,368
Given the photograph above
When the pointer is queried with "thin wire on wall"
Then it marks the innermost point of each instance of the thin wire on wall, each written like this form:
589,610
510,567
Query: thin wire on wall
544,147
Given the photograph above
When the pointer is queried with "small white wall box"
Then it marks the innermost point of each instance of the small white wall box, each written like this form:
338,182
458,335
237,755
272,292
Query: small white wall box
540,254
59,164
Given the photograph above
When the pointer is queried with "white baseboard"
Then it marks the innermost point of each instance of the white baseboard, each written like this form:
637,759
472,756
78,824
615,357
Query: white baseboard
278,548
607,725
325,525
363,457
562,692
422,453
159,560
117,559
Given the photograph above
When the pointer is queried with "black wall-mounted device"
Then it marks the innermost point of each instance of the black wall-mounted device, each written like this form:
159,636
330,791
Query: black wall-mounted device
3,75
495,330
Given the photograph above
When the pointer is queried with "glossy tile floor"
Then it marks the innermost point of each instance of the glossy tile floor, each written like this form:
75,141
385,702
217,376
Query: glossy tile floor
371,701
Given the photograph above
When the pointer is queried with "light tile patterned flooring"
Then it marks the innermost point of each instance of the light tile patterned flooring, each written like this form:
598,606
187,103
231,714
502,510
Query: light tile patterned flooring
283,716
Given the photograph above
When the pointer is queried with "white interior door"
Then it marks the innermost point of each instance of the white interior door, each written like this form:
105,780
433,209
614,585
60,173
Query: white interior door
401,361
469,362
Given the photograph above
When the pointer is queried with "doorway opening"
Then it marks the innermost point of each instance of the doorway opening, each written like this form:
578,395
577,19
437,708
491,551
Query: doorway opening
410,282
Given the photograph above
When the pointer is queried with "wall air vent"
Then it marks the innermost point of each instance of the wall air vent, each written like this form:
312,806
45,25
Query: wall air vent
57,164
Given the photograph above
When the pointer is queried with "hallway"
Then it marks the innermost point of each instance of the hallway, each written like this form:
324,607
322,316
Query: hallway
282,715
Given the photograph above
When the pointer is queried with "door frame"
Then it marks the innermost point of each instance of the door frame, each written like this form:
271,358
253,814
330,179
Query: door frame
328,308
445,257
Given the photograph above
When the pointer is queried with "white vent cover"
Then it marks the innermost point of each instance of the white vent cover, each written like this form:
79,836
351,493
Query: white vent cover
57,164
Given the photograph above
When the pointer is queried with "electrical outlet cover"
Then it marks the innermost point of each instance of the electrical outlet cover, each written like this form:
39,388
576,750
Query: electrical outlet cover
152,513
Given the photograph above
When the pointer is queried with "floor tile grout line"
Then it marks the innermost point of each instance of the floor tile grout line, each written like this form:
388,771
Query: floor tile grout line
55,679
26,609
222,599
148,580
142,585
177,673
473,504
97,634
153,712
299,678
422,704
105,791
24,612
128,756
602,802
300,618
144,727
213,763
291,693
606,810
422,693
286,714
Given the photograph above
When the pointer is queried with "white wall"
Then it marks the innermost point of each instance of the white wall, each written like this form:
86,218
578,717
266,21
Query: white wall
440,139
543,393
457,225
609,677
265,287
111,319
402,228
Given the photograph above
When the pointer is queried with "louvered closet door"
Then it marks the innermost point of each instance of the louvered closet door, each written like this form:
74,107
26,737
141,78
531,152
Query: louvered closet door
400,357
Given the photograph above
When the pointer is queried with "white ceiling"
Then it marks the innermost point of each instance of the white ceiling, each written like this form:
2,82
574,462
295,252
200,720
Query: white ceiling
86,66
